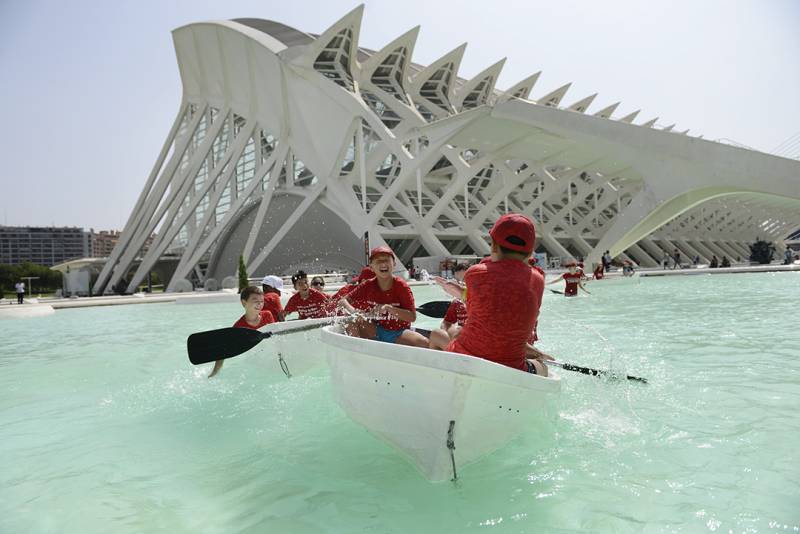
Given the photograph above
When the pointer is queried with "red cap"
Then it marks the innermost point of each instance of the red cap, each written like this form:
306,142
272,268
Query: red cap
365,274
515,232
383,249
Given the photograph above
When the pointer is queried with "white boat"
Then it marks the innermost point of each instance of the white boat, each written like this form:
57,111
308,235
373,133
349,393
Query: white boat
294,354
441,410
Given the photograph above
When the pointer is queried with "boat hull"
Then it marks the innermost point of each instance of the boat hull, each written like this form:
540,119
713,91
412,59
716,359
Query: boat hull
293,354
409,396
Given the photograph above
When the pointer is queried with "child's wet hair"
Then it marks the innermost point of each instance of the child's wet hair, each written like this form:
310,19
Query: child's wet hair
250,290
299,275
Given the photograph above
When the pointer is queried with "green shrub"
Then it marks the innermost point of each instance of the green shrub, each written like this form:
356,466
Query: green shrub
243,281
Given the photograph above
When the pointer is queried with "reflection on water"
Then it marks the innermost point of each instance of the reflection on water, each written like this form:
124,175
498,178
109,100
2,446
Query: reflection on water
106,426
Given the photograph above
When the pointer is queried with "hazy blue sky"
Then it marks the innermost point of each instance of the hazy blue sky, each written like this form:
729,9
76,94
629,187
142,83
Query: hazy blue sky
90,89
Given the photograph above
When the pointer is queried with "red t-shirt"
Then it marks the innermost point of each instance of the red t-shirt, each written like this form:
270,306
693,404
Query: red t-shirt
272,302
314,307
369,294
343,291
264,317
456,313
503,301
572,280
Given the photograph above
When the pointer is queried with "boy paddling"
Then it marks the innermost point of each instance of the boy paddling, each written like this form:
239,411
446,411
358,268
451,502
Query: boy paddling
386,295
252,299
573,279
503,299
308,302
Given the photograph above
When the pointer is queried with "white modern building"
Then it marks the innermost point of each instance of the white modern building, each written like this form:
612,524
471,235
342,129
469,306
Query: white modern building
288,146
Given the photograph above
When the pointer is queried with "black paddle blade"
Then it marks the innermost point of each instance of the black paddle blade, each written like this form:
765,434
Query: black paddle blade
598,372
223,343
436,308
557,292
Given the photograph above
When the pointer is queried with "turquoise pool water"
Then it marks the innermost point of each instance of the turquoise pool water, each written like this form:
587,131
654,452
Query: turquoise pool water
106,427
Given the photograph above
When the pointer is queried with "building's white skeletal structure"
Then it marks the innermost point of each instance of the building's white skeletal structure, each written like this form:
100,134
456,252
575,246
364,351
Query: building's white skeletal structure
288,147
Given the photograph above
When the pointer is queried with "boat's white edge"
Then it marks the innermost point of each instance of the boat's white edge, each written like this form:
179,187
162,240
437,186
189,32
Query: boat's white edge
440,360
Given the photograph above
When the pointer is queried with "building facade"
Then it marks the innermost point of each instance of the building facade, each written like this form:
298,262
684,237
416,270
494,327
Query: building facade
103,242
289,146
43,245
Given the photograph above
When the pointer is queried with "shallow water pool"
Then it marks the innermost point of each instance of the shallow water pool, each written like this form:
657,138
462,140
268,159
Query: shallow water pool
106,427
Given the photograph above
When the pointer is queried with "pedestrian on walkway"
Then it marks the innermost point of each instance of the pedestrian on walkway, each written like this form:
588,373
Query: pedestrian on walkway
20,287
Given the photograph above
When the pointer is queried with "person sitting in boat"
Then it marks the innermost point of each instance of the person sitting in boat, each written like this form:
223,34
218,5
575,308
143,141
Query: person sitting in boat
307,302
318,283
255,316
598,271
271,286
457,312
385,296
572,279
503,299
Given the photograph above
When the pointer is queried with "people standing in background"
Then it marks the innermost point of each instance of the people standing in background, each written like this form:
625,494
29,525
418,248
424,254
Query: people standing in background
696,260
606,261
714,262
665,261
787,256
677,258
20,287
725,262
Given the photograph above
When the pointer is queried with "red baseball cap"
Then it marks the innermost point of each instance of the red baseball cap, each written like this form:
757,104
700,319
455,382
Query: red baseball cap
365,274
515,232
383,249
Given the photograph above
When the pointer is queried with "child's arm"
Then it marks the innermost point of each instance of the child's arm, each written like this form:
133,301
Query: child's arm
554,280
400,313
451,287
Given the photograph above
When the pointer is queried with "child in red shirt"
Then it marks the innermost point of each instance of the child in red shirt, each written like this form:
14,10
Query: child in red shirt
573,280
271,286
386,295
503,298
307,302
252,299
598,271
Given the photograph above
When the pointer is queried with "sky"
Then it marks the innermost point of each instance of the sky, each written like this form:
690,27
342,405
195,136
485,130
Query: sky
90,88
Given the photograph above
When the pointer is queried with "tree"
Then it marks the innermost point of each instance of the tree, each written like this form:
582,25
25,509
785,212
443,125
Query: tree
243,281
762,251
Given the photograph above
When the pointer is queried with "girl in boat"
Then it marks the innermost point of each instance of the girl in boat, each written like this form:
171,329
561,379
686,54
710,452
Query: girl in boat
386,296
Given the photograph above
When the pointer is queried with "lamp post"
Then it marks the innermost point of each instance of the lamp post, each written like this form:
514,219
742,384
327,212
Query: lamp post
29,278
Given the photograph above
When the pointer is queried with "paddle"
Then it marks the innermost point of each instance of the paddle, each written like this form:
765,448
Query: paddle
435,308
223,343
556,291
593,372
